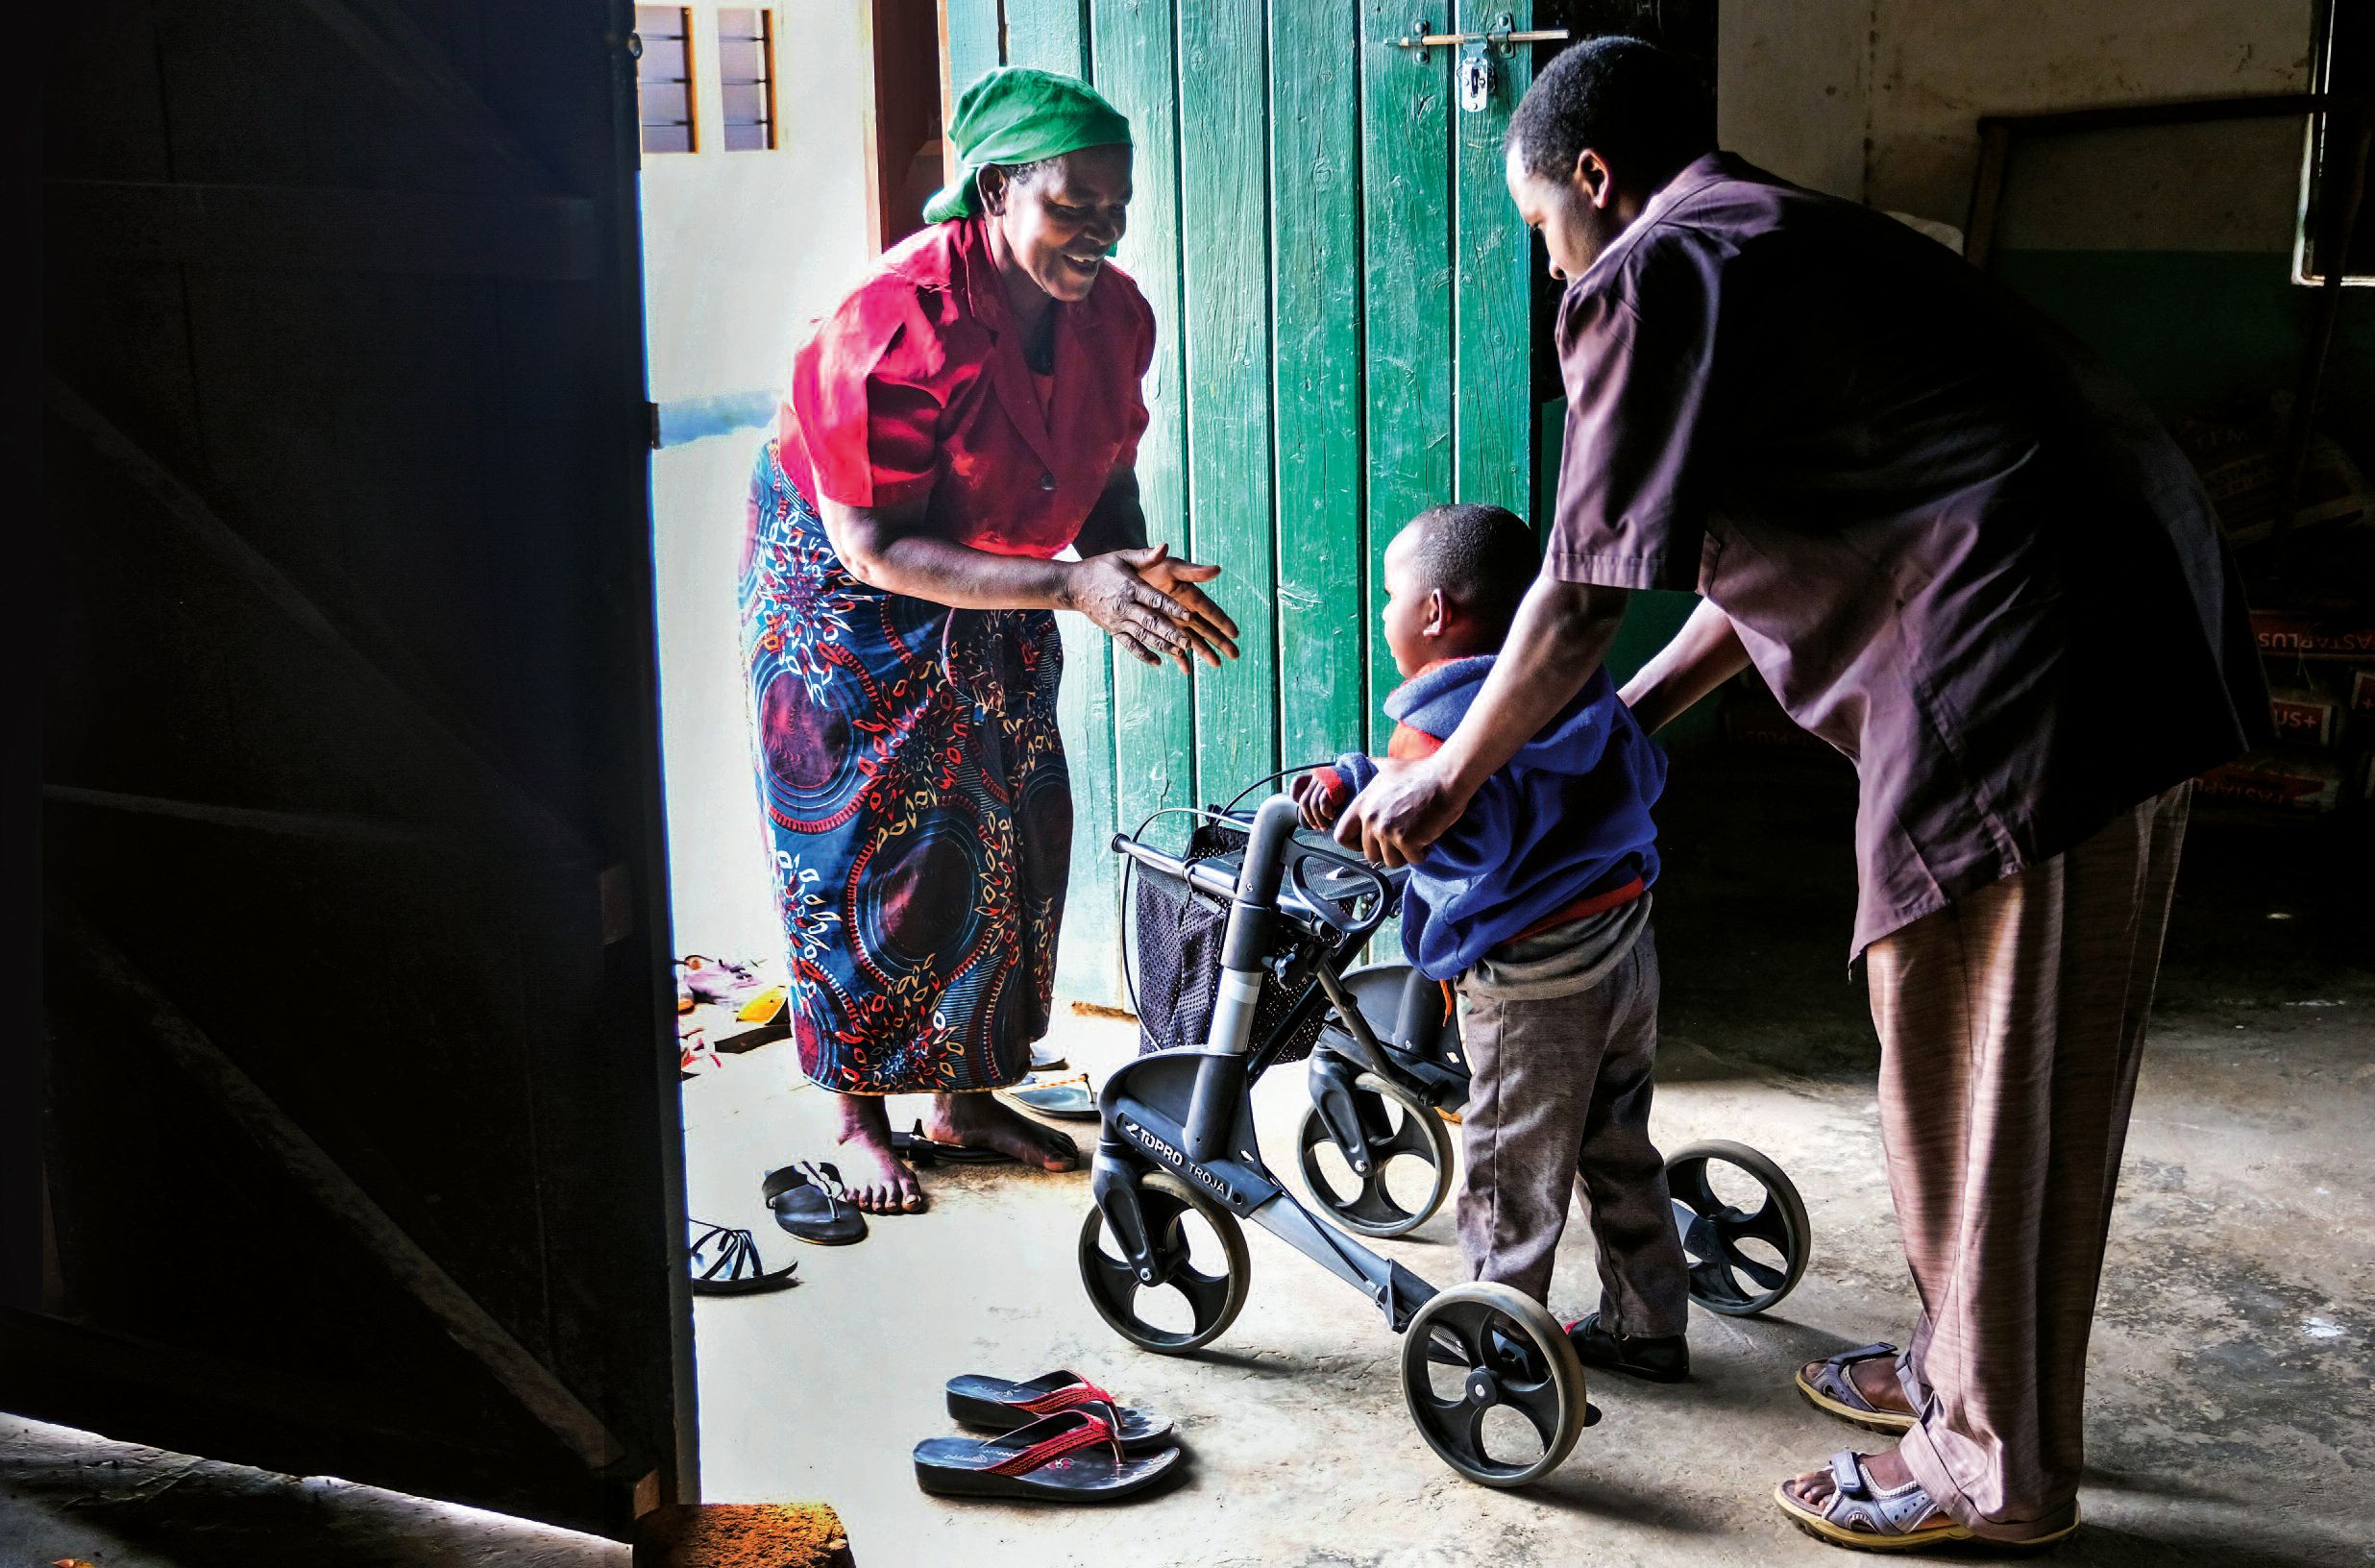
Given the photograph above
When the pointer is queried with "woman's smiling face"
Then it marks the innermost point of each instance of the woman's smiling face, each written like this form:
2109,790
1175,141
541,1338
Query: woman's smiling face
1061,219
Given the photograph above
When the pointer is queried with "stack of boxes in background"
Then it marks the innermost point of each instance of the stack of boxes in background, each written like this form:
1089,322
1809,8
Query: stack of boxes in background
2313,597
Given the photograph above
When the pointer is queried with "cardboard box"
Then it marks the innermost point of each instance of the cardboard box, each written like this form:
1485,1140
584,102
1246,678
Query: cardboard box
2281,781
2243,469
2363,695
2304,716
2315,634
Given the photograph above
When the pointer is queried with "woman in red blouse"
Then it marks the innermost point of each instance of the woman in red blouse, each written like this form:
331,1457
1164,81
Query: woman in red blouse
968,412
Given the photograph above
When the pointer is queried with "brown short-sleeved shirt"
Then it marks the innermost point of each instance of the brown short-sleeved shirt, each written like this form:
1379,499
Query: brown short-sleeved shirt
1957,546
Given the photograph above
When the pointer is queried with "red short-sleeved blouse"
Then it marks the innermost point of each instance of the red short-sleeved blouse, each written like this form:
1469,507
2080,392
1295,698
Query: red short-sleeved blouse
916,386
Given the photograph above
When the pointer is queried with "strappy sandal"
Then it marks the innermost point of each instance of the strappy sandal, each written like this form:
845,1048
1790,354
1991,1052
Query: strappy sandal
1070,1457
1833,1392
809,1203
726,1263
995,1404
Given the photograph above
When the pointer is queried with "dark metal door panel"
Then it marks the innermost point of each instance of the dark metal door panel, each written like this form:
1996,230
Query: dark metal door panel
360,1150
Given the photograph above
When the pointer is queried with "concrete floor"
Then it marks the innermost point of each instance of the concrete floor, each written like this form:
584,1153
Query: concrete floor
2235,1335
2233,1413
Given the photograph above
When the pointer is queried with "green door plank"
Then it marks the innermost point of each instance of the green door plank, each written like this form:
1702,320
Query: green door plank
1491,307
1315,324
1088,958
973,45
1051,35
1407,308
1134,47
1225,274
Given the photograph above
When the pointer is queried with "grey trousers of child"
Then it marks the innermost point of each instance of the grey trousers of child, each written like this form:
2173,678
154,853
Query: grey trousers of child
1559,1100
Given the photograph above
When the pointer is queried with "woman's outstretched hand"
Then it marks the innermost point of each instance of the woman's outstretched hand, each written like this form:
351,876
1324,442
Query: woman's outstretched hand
1179,578
1150,604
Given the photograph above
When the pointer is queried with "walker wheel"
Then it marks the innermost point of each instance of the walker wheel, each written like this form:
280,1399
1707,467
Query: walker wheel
1476,1348
1399,1130
1746,1254
1187,1307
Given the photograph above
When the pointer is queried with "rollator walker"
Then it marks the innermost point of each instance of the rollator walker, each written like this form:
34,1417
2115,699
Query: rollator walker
1287,912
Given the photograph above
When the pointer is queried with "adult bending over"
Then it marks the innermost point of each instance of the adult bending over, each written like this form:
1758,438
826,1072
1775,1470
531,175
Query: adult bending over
967,413
1962,552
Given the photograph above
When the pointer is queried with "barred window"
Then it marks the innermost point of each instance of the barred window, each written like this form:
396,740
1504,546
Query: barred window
2344,68
747,77
664,78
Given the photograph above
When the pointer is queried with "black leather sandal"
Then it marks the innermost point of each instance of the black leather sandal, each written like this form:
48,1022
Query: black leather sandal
811,1204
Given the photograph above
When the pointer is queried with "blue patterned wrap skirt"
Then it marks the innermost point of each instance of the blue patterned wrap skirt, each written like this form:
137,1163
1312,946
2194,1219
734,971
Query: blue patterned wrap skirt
917,811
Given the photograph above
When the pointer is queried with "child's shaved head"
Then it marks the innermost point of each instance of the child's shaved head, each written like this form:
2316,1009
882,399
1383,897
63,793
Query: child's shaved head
1482,557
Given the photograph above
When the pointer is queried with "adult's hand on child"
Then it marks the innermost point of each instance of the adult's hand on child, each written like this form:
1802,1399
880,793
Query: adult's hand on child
1179,578
1397,818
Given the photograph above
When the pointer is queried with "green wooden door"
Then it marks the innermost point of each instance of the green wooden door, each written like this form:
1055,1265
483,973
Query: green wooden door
1341,289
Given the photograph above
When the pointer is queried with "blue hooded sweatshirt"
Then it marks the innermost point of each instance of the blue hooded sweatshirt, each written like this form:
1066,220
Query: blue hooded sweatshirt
1566,820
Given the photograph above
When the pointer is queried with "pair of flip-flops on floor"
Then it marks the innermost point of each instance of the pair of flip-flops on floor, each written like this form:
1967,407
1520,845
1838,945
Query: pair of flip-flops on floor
1057,1438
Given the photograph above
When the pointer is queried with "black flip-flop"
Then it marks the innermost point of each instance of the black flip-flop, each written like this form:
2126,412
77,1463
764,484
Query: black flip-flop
1066,1101
1070,1457
995,1404
811,1204
726,1263
921,1152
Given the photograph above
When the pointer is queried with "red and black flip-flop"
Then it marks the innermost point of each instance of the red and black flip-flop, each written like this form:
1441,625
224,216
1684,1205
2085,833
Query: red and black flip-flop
1070,1457
995,1404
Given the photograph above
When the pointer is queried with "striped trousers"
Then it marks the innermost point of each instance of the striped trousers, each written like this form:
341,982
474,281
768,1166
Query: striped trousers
2011,1025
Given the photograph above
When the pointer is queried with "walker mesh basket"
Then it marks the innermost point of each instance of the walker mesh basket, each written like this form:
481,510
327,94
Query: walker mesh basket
1177,938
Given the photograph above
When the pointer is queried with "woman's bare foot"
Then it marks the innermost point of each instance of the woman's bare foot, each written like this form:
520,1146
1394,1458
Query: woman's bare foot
981,1121
879,1182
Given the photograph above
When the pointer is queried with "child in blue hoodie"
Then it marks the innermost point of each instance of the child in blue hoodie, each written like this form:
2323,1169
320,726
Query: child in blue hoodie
1536,905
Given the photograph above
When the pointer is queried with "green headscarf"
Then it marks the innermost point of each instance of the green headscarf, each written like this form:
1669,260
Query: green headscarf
1015,114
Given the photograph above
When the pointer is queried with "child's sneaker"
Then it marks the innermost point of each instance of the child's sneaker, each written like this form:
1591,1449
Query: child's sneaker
1658,1358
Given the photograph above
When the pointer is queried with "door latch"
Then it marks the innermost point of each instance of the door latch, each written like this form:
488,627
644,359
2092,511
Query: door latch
1476,78
1501,38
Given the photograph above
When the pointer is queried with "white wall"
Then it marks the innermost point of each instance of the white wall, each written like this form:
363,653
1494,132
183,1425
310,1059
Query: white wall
1878,100
742,251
